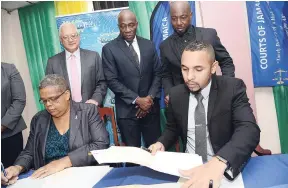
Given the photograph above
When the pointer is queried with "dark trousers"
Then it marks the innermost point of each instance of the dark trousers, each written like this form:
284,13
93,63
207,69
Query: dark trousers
131,129
11,147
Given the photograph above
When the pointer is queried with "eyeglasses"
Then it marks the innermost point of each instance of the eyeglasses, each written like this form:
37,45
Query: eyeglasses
52,100
73,37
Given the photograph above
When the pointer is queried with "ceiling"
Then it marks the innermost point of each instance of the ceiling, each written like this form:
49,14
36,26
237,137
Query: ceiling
9,6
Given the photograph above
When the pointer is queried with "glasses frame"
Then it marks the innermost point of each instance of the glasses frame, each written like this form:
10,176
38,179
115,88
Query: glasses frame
52,100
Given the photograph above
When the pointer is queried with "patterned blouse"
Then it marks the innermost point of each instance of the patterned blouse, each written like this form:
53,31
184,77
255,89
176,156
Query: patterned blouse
57,145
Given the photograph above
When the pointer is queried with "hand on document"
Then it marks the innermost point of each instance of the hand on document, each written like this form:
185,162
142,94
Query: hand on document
166,162
202,175
158,146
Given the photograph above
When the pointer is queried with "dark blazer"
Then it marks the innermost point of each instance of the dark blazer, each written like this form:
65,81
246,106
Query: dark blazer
126,79
233,131
93,85
87,132
13,100
171,61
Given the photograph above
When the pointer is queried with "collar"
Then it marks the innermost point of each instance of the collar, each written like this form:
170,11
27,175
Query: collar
76,53
134,41
190,30
206,91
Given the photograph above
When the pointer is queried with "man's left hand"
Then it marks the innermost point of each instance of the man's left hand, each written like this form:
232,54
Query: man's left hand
141,113
52,168
91,101
200,176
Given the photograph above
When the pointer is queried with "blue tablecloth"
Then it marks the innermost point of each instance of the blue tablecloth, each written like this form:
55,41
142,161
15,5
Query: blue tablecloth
266,171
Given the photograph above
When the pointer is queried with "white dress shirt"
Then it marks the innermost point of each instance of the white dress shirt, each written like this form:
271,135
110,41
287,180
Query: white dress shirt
136,47
190,146
68,58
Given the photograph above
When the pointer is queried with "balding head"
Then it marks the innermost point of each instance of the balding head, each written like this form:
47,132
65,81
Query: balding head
181,16
69,36
127,24
183,5
126,14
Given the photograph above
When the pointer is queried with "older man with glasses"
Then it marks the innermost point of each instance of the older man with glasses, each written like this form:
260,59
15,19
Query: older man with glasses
81,68
61,136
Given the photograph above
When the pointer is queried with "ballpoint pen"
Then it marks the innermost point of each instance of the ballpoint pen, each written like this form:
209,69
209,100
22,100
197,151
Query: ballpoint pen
3,169
146,149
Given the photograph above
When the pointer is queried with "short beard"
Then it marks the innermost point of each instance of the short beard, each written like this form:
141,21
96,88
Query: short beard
194,92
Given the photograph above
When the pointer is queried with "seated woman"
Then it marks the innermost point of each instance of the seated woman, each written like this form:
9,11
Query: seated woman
60,136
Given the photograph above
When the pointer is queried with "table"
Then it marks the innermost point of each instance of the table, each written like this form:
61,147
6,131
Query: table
266,171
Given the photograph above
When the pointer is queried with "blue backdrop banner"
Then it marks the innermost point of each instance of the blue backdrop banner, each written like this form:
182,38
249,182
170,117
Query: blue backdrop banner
96,29
269,42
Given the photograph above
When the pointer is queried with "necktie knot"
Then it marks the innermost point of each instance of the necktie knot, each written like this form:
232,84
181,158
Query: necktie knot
130,43
72,56
199,97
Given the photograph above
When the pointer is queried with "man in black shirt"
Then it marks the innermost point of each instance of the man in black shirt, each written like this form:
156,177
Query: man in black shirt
171,49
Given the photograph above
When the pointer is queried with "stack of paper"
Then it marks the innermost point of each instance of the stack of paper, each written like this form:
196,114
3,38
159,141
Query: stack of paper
166,162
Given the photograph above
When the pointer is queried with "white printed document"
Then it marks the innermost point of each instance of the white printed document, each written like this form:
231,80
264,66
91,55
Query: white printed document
166,162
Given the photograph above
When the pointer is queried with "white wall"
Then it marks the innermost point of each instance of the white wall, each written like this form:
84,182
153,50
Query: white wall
13,51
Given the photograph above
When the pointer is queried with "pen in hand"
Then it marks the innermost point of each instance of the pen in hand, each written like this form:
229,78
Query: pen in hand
146,149
3,169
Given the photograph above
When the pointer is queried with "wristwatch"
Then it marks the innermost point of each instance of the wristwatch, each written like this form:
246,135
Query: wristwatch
223,161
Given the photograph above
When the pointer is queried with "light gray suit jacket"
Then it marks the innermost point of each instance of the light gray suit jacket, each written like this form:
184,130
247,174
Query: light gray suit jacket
87,133
13,100
93,85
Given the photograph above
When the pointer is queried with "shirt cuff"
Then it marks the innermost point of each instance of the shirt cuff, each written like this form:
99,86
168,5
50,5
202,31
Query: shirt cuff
135,100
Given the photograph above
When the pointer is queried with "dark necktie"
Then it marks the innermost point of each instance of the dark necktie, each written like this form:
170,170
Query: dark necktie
131,48
200,128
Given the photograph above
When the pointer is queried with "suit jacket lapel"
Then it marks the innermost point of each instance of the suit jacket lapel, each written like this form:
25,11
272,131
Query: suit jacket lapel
212,99
185,108
123,46
141,48
75,119
198,34
45,125
83,67
64,67
174,50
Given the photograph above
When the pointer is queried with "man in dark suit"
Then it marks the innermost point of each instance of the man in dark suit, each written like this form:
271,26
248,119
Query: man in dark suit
212,114
171,49
13,101
81,68
132,70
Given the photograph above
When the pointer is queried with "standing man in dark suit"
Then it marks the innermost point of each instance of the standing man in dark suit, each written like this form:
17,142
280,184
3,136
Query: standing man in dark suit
171,49
81,68
132,70
212,114
13,101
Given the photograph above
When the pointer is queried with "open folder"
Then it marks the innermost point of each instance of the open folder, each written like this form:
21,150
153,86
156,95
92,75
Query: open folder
166,162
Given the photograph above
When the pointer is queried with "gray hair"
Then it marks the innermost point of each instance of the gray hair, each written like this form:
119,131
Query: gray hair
201,46
54,80
64,24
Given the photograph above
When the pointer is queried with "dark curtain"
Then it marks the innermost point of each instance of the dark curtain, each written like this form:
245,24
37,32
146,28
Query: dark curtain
100,5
